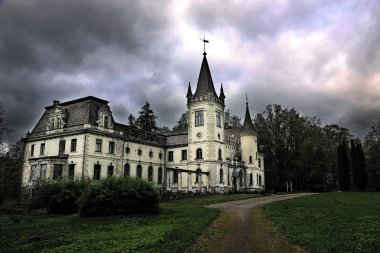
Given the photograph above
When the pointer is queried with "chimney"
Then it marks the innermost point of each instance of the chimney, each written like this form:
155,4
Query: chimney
55,102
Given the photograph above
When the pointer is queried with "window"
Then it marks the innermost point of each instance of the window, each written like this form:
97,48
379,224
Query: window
198,175
42,149
259,161
71,171
62,145
111,147
127,150
199,154
221,176
52,124
175,177
170,156
98,147
57,171
110,171
97,168
220,154
198,118
241,178
251,179
150,173
139,171
260,180
106,121
150,154
160,155
33,172
159,176
43,170
184,155
218,120
127,170
73,146
139,152
257,179
250,159
32,150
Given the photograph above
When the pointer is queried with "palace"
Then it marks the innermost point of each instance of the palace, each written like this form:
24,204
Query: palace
80,140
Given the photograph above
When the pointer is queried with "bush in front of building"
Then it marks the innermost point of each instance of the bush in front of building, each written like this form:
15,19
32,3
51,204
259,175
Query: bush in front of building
118,196
58,196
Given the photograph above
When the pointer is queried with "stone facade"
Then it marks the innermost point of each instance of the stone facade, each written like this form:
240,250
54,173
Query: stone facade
80,140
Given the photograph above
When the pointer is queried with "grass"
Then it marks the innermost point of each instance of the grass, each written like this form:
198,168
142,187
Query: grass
330,222
173,230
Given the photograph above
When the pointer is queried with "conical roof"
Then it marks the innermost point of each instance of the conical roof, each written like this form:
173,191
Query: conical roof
189,92
248,125
205,84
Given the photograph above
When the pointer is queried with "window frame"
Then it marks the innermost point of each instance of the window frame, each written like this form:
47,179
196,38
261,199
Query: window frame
218,119
199,120
98,145
42,149
97,171
170,156
184,154
111,147
199,154
73,145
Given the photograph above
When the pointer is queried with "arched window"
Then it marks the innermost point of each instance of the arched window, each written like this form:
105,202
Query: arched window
220,154
127,170
106,121
221,176
139,171
159,176
199,153
241,178
175,177
139,152
251,179
127,150
150,173
250,159
150,154
198,175
52,124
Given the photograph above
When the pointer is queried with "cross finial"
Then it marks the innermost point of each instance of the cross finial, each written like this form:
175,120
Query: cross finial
204,44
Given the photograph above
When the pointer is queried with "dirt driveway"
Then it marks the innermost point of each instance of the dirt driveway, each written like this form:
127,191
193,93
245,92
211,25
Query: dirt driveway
242,227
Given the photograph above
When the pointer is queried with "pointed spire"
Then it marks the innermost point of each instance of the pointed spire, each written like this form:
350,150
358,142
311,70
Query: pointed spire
189,92
221,96
248,125
205,84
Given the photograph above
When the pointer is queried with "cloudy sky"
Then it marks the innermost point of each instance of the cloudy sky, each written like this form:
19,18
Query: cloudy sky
321,57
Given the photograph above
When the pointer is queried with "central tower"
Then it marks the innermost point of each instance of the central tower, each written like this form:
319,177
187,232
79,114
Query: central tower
206,124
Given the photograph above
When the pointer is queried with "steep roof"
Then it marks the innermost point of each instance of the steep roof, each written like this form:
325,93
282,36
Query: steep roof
248,125
80,111
205,84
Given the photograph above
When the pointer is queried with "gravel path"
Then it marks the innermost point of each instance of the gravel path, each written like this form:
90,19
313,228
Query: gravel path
242,227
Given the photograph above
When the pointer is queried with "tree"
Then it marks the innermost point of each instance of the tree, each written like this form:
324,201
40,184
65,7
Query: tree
131,120
4,130
147,119
231,121
182,123
372,151
343,166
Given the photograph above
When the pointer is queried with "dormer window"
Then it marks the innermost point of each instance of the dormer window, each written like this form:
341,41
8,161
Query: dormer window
57,118
106,121
105,117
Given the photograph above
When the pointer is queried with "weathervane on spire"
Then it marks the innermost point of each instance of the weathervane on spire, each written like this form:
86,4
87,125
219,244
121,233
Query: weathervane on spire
204,44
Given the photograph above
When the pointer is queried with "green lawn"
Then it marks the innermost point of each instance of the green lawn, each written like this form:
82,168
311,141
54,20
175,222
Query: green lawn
330,222
173,230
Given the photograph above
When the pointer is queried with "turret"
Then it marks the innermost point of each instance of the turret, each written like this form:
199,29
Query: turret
189,94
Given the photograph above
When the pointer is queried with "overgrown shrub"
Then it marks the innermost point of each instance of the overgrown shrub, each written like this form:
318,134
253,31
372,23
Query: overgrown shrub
115,196
58,196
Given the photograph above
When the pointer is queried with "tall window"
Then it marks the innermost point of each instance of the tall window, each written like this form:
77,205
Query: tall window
170,156
32,150
139,171
218,120
259,161
110,171
71,171
62,146
42,149
111,147
97,169
159,176
251,179
150,173
52,124
250,159
98,147
220,154
106,121
260,183
57,171
33,171
198,175
198,118
175,177
43,170
199,153
221,176
127,170
184,154
73,146
241,178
